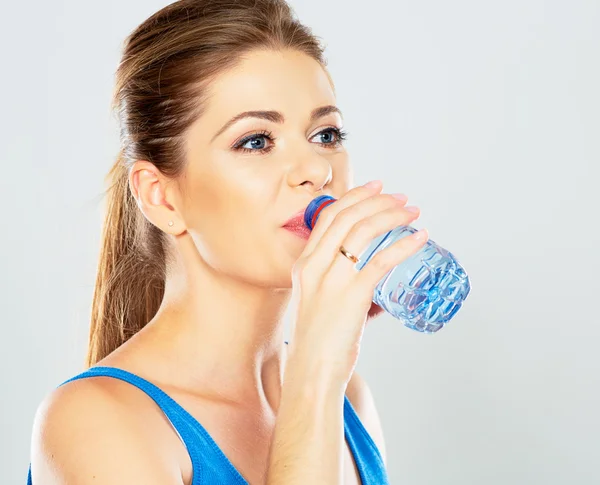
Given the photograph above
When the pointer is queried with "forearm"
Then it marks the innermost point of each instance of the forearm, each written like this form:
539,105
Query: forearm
308,440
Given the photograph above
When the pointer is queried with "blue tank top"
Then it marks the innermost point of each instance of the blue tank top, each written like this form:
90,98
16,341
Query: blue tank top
209,463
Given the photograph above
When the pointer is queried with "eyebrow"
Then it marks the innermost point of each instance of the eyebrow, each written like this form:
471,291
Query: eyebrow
277,117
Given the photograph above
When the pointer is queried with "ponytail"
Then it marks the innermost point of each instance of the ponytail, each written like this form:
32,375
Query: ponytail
131,270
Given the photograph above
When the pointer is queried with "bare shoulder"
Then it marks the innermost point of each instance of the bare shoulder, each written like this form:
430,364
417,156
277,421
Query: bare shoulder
360,396
84,433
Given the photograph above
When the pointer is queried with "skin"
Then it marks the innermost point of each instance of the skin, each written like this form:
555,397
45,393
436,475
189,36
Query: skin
227,211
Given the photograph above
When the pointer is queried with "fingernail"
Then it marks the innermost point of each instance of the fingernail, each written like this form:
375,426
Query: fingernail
412,208
420,234
373,184
400,196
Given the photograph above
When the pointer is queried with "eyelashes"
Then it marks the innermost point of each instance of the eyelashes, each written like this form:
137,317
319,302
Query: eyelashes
339,136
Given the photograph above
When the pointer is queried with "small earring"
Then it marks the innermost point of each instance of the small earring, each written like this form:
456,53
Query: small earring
171,223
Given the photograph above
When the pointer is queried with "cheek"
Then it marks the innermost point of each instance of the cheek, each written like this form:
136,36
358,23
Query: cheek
342,174
231,230
245,252
229,243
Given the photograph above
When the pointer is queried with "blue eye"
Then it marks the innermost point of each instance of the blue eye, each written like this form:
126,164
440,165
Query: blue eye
256,143
326,137
331,137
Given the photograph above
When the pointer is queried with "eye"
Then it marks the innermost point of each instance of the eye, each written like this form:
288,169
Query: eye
255,142
331,137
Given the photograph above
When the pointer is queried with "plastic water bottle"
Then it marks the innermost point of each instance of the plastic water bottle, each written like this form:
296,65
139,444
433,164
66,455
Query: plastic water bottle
424,291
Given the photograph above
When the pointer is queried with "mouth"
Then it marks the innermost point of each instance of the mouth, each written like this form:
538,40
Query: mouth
296,219
296,225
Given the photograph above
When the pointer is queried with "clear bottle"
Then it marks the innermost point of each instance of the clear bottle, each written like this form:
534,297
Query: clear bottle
424,291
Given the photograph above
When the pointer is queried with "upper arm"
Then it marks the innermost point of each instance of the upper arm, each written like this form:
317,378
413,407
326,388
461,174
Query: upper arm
82,434
360,396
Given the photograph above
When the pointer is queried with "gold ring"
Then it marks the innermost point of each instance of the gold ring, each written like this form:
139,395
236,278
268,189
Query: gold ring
349,255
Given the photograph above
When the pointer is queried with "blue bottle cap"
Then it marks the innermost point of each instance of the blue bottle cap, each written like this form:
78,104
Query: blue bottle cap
311,214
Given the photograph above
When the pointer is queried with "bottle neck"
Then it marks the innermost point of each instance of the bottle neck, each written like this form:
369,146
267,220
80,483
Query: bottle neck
314,209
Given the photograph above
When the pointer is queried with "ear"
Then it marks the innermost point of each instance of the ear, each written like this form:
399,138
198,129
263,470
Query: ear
150,187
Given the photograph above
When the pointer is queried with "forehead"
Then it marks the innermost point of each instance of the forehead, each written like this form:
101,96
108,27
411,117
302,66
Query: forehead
287,81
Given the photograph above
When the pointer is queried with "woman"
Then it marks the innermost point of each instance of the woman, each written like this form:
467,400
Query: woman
229,129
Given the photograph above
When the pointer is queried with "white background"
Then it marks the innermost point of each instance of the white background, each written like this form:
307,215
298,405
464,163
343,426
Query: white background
486,114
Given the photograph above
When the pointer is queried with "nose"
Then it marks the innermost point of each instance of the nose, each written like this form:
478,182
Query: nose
312,170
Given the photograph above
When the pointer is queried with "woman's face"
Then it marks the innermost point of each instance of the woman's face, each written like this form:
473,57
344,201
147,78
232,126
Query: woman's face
245,179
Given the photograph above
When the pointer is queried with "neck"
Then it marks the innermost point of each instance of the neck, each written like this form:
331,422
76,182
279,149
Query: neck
225,333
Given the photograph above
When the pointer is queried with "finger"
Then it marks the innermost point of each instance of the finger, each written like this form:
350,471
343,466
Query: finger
386,259
328,213
327,248
361,235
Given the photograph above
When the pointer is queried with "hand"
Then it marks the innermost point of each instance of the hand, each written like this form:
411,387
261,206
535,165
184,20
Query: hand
333,299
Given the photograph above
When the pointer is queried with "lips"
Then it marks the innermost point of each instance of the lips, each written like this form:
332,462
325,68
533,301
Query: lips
300,230
297,220
297,226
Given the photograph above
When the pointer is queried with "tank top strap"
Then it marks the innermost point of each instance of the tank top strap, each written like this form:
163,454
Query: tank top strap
179,418
367,456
